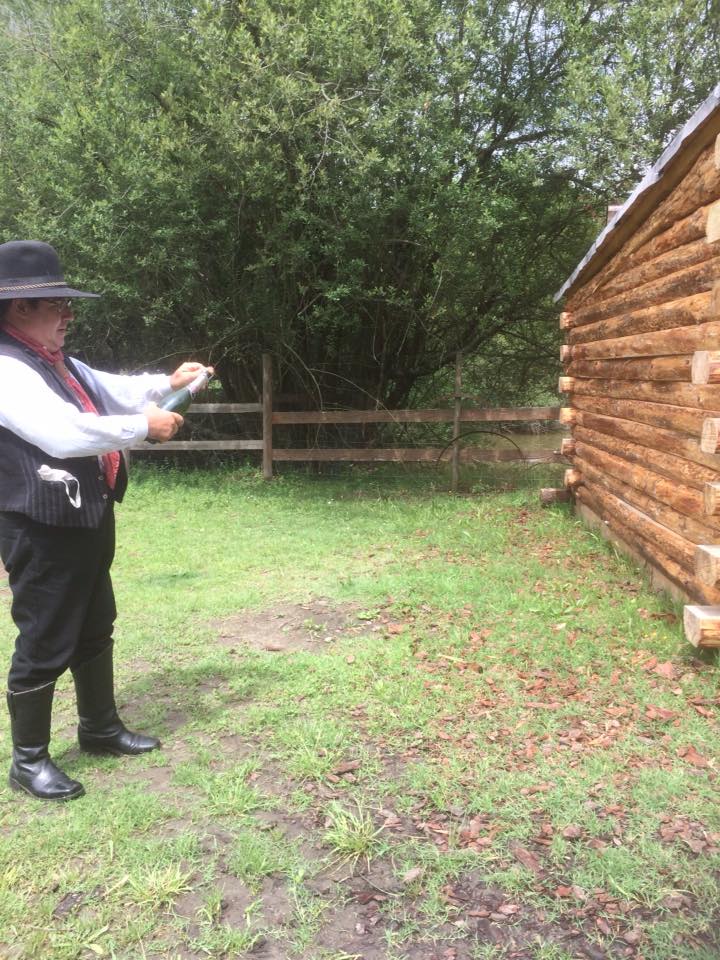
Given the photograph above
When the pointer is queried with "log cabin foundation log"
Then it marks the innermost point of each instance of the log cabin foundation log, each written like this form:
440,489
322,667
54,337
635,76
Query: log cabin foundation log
658,580
550,495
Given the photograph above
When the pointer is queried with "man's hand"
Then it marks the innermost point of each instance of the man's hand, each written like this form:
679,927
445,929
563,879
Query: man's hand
186,373
162,425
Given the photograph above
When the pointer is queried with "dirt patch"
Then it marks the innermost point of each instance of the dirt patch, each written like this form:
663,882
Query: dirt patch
293,626
156,779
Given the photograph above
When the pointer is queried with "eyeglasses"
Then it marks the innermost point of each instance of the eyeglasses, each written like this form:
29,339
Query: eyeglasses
61,304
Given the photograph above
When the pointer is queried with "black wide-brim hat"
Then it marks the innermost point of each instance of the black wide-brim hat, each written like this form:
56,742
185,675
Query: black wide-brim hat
31,269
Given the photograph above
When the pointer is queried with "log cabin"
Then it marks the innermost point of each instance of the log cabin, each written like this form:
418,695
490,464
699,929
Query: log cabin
641,373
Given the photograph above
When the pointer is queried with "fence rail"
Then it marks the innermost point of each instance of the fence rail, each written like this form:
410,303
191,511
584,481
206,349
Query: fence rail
452,452
491,414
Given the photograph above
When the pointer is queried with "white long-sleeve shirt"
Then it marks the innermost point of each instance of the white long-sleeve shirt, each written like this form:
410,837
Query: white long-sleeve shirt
36,413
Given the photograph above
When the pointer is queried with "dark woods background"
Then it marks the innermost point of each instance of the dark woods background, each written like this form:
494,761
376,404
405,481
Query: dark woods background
360,187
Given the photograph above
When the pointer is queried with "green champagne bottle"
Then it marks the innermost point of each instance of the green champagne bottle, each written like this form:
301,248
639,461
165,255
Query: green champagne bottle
179,400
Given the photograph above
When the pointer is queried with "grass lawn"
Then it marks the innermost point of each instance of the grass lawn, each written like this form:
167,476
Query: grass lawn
396,723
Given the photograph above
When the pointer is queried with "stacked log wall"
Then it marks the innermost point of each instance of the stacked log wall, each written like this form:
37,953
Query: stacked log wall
641,369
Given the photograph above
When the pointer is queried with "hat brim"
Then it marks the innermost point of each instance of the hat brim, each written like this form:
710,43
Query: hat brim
37,293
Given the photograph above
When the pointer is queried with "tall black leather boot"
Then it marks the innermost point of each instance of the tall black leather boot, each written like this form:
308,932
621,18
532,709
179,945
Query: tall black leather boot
100,729
32,769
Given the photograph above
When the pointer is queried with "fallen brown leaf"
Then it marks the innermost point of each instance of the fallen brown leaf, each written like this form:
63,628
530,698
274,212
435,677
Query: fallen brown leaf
526,857
412,874
691,756
633,936
659,713
675,901
666,670
667,617
704,711
508,909
346,767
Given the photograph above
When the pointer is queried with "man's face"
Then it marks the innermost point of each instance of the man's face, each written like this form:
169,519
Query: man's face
44,319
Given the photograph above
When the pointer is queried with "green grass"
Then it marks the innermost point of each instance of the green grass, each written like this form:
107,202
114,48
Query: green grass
487,721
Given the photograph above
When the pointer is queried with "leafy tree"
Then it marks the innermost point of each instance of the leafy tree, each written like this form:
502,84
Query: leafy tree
361,187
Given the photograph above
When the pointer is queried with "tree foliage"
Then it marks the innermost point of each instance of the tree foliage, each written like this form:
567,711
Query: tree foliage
361,187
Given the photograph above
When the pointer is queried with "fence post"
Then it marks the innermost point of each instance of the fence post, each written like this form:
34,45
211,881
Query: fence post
267,404
456,423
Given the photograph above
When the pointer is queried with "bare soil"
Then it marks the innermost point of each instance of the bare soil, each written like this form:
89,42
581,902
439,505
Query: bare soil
292,626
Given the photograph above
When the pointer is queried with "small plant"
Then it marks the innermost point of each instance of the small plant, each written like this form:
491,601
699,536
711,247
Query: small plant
229,793
351,835
256,855
160,887
211,910
223,940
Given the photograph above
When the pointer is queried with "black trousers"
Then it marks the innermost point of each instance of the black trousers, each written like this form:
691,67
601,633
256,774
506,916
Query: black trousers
63,603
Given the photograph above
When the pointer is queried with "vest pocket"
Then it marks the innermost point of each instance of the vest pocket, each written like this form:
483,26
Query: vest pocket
71,483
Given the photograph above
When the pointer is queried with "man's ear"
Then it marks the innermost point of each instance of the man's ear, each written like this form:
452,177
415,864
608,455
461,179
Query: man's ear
22,307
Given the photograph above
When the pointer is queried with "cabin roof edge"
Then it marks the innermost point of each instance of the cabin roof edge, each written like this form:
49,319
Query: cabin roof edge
658,180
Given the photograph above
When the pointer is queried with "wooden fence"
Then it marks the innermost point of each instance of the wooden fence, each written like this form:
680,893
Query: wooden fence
452,452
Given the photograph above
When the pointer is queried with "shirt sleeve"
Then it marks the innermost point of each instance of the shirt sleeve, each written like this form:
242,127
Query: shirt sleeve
30,409
125,394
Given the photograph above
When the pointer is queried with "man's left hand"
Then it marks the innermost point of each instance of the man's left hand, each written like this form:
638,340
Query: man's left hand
186,373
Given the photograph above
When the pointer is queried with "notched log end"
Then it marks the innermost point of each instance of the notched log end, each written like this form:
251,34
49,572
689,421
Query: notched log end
707,564
710,434
566,384
712,229
567,416
701,365
714,308
711,499
565,320
702,626
572,479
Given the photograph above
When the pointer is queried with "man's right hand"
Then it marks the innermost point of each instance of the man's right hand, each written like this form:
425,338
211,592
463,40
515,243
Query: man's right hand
162,425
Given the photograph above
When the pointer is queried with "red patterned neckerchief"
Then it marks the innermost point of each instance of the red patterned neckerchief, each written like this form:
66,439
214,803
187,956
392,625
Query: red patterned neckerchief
110,461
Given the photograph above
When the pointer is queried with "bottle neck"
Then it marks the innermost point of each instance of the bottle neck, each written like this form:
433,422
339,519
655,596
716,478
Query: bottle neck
199,382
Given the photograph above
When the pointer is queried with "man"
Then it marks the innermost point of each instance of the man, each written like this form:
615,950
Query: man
63,426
